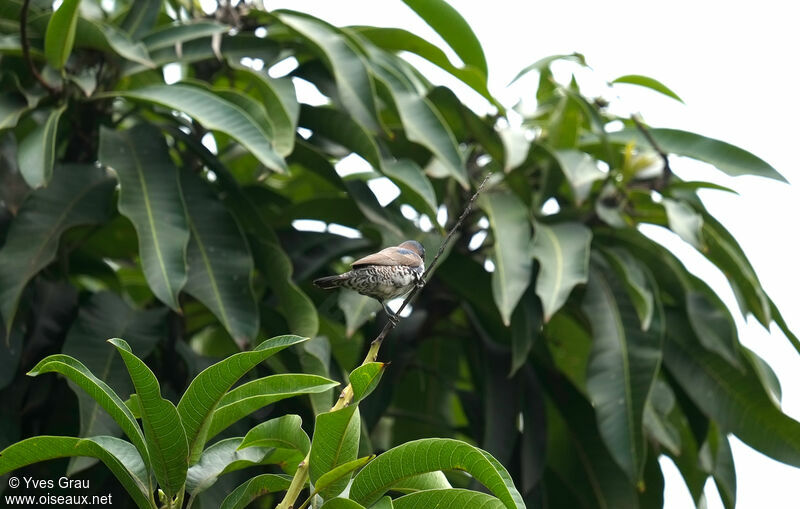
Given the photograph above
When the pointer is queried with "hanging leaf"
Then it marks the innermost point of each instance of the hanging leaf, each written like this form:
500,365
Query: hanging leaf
647,82
60,36
37,151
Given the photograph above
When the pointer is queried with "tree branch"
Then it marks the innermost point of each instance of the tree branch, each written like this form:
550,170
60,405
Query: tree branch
654,144
26,49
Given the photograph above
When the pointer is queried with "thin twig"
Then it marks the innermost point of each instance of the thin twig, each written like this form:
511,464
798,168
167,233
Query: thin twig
653,143
26,49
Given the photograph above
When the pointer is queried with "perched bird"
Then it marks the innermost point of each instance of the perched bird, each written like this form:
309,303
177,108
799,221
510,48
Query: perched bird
385,275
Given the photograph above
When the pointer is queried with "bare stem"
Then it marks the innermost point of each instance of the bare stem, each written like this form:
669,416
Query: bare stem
346,396
654,144
26,48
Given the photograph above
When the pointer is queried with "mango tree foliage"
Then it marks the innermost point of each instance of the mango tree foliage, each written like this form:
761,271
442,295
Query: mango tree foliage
569,349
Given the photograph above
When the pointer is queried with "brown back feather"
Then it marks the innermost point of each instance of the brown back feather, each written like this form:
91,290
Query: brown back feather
390,256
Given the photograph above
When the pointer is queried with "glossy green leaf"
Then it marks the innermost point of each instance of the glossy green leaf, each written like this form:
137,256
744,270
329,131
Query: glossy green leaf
106,315
249,397
647,82
428,481
60,36
622,369
713,324
453,28
526,326
150,198
166,36
735,399
544,63
562,251
95,34
37,151
118,455
141,17
213,113
430,455
634,276
221,458
365,378
285,432
448,498
341,471
355,87
341,503
12,107
508,218
580,170
415,188
77,195
341,128
163,431
220,266
684,221
728,158
335,442
253,488
104,395
357,309
205,393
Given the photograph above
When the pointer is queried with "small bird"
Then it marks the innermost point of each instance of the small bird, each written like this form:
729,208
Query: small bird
385,275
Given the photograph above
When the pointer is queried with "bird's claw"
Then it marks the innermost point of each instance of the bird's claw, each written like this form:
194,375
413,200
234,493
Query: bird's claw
394,319
420,282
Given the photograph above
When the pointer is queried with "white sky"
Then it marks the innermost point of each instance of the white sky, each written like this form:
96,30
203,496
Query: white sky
734,64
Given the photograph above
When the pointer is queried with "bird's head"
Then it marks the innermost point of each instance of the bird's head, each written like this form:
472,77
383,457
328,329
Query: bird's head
413,245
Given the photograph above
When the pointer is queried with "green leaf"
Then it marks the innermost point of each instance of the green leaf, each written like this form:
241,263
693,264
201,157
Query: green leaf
118,455
635,278
428,481
166,36
355,87
562,251
339,127
12,107
77,195
60,36
220,266
526,326
544,63
285,432
106,315
447,498
213,113
357,309
726,157
508,218
684,221
37,151
221,458
365,378
430,455
249,397
141,17
414,185
622,369
341,503
453,28
104,395
150,198
204,394
647,82
713,324
163,431
253,488
95,34
580,170
345,469
335,442
734,399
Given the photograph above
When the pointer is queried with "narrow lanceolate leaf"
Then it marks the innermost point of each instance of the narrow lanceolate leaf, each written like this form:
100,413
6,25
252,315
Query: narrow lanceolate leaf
251,396
335,442
220,266
12,106
562,251
684,221
253,488
415,188
95,34
104,395
343,470
636,282
150,198
427,481
141,17
429,455
166,36
78,195
365,378
118,455
713,323
214,113
60,36
526,326
735,399
453,28
728,158
219,459
196,407
285,432
580,170
341,128
621,370
357,309
163,431
508,218
447,498
355,87
106,315
647,82
36,151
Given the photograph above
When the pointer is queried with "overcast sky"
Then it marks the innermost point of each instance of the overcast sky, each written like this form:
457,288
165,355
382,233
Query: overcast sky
734,64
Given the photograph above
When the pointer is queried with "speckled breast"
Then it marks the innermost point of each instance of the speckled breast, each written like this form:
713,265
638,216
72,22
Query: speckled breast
384,282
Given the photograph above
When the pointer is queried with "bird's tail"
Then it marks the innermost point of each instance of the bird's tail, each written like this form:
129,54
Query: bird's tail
330,282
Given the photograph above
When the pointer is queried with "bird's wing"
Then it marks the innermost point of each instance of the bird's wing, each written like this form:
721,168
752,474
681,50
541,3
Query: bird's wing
390,256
